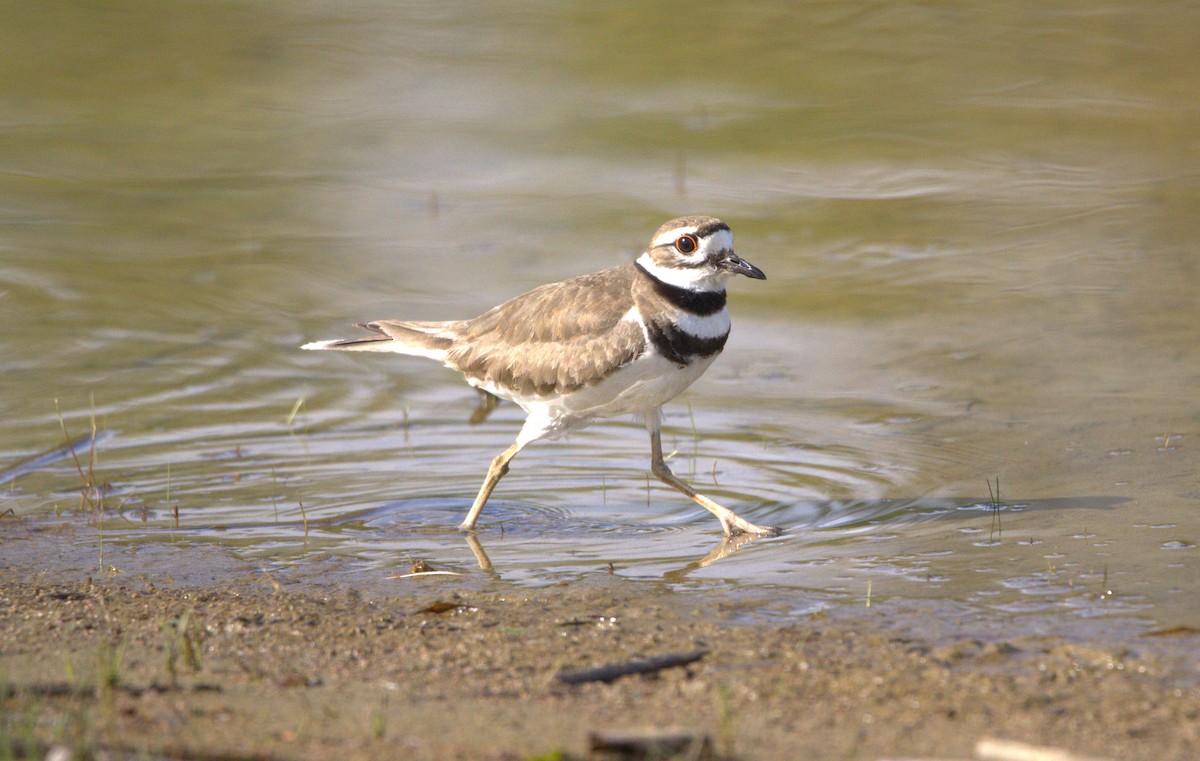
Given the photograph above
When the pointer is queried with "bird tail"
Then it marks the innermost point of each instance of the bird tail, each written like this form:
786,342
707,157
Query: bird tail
419,339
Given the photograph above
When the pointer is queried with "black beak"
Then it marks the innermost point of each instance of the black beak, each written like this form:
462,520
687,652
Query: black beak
739,266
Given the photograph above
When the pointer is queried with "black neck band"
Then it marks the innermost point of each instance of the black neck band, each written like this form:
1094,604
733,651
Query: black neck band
701,303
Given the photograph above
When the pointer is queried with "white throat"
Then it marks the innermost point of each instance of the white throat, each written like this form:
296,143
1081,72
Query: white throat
692,278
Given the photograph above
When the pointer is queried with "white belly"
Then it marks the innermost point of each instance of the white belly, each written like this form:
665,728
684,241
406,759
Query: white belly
641,386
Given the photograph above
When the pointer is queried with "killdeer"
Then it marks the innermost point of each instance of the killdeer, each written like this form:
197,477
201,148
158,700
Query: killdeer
619,341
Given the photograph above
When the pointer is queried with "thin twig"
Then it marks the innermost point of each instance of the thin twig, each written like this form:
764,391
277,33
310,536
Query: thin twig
614,671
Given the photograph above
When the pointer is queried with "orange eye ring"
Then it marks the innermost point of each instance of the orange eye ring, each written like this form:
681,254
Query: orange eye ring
686,244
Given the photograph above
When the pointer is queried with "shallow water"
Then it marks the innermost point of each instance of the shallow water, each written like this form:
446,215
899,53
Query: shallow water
978,227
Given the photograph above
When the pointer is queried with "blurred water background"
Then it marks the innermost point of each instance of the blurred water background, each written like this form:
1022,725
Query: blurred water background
979,224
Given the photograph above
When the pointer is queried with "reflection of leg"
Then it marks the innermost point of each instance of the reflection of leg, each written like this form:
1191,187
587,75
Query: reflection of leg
726,547
495,473
487,404
730,521
481,557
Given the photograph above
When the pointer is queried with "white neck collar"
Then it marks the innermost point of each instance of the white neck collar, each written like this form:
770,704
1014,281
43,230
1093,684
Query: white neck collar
690,278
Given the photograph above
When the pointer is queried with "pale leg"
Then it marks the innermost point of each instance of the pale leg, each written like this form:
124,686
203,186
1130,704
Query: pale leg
495,473
730,521
535,428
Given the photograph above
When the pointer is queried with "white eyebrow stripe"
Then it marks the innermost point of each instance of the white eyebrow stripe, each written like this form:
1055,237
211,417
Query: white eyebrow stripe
719,240
714,243
671,235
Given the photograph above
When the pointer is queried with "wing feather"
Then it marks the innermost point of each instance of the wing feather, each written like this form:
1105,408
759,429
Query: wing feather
556,338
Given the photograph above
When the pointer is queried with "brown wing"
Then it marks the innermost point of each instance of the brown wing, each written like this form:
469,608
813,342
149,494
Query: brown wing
556,338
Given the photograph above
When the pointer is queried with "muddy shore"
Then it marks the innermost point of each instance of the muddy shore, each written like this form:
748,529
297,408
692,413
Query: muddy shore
148,659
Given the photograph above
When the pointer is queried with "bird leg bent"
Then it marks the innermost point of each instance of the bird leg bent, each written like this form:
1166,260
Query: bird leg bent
730,521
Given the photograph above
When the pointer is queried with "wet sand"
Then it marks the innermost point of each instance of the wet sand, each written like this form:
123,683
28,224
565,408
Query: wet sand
150,658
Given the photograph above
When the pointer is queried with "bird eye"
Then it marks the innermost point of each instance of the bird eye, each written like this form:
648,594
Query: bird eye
686,244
